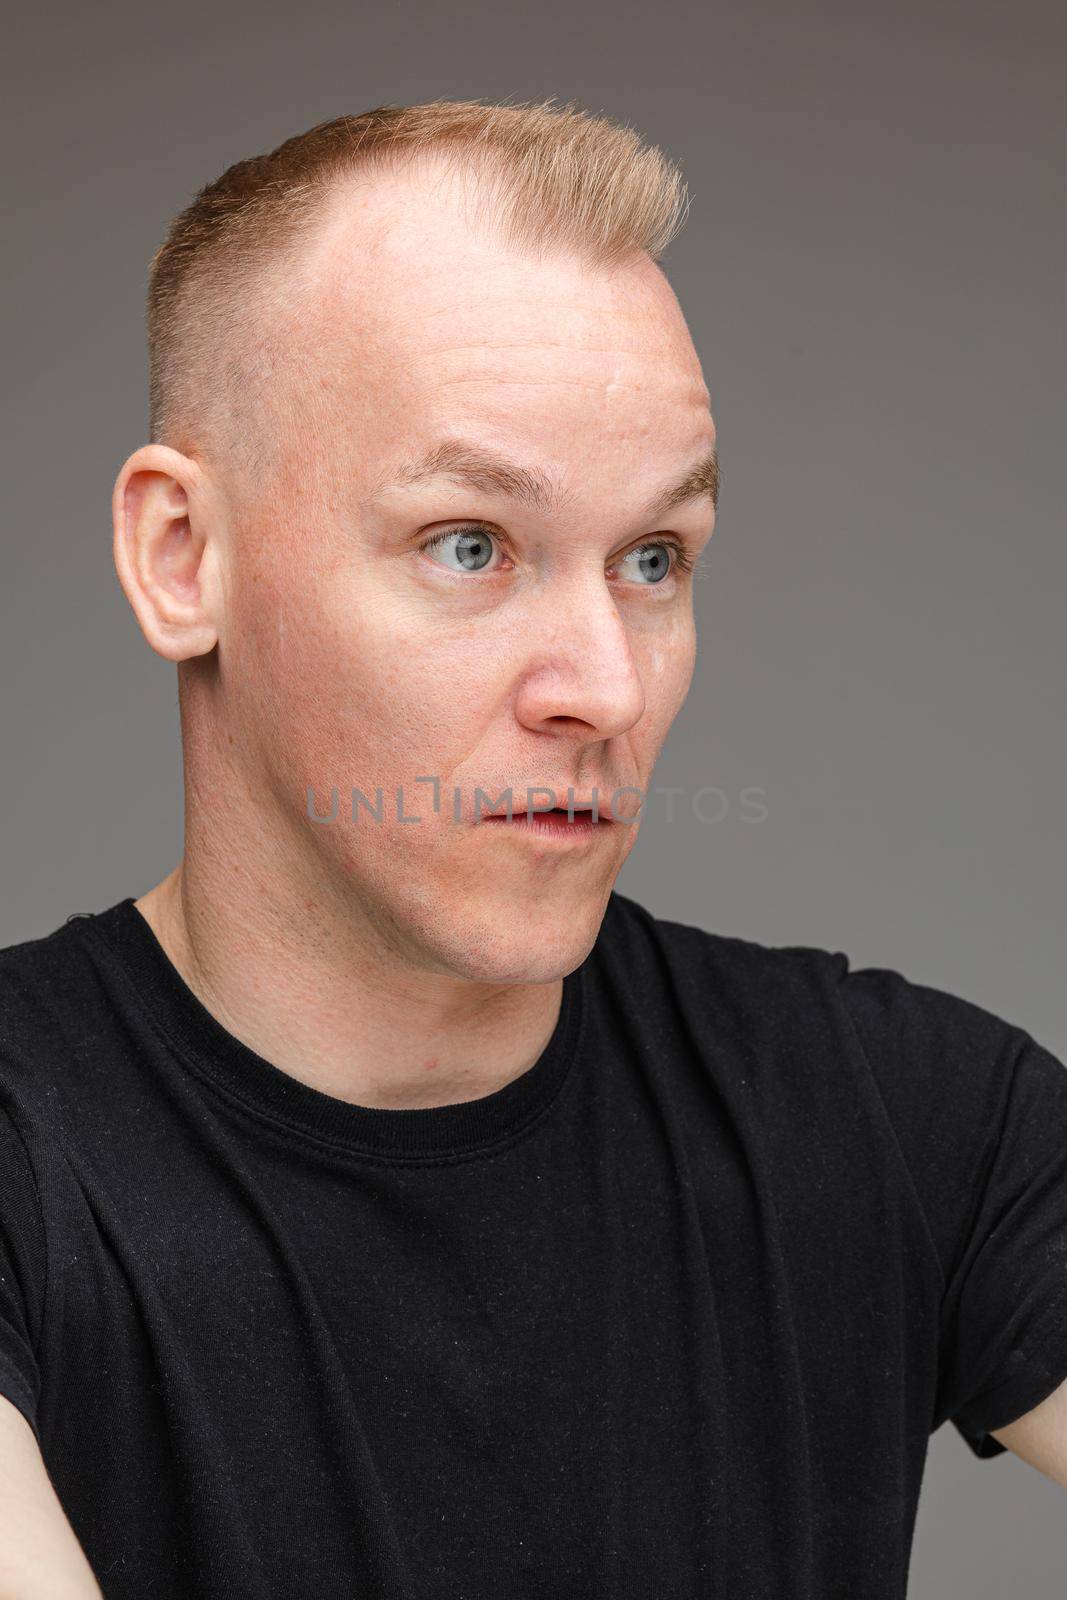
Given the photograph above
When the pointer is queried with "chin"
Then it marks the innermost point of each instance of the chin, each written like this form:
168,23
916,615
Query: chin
487,939
514,961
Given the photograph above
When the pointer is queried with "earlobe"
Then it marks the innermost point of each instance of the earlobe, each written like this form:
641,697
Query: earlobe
164,557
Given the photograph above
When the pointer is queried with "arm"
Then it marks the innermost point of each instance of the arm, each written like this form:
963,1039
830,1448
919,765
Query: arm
40,1557
1040,1437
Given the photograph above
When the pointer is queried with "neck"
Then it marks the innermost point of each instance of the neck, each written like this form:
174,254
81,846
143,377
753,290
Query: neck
328,999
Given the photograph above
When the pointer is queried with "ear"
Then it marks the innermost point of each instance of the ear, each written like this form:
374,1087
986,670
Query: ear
166,551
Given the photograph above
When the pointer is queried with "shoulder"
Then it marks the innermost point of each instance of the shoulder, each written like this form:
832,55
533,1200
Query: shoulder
37,972
939,1067
734,975
890,1015
956,1093
50,999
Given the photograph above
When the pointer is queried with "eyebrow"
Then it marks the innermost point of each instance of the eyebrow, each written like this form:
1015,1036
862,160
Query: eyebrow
491,473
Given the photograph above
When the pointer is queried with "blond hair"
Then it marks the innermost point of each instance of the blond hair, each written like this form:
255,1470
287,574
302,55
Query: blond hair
557,177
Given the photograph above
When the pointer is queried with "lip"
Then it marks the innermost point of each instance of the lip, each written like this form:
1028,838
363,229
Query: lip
552,825
560,802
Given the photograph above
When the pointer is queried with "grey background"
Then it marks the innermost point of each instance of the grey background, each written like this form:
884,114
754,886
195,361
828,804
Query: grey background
870,271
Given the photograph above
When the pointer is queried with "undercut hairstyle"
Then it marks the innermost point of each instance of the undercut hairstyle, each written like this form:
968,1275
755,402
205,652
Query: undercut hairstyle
226,280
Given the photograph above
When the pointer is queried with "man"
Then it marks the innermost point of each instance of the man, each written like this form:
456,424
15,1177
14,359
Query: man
389,1207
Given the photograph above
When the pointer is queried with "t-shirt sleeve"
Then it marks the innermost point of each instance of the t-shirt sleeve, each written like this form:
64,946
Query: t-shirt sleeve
22,1273
979,1110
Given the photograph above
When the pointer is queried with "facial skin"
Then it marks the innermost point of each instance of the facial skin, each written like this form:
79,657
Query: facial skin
393,963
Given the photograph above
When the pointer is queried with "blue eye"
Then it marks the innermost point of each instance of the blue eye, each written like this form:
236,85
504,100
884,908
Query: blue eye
472,550
653,561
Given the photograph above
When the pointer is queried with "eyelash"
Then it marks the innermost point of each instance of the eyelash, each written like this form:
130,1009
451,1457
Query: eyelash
683,561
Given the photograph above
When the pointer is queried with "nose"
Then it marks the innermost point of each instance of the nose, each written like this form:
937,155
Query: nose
579,674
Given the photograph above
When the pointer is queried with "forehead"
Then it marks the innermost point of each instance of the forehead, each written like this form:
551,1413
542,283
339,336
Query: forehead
429,325
409,266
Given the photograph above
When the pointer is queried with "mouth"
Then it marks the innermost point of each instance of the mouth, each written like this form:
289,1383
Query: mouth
559,823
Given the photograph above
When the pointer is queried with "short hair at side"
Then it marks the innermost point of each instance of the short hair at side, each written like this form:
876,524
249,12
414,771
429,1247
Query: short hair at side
559,177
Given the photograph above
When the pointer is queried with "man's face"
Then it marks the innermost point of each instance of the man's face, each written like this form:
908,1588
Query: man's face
543,649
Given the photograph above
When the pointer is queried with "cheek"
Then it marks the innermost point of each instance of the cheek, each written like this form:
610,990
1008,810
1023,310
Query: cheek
668,672
351,686
279,663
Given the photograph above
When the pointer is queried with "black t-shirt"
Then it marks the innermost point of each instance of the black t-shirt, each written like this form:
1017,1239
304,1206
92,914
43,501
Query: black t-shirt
672,1314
